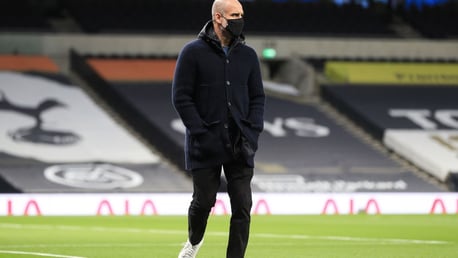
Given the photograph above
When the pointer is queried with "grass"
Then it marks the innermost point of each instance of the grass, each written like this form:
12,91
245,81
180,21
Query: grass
271,236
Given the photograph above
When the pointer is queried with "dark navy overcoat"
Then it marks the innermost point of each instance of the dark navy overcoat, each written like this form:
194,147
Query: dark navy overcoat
209,85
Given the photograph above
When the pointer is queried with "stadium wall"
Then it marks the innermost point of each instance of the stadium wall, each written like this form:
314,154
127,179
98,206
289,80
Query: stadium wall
59,44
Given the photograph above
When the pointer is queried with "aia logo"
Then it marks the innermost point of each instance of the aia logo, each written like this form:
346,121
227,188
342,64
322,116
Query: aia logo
93,176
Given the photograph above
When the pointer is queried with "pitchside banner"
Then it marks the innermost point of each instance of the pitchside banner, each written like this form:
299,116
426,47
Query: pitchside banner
419,123
263,204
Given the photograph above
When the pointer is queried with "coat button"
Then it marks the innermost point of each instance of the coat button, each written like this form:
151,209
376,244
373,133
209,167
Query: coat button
226,126
228,83
229,104
227,61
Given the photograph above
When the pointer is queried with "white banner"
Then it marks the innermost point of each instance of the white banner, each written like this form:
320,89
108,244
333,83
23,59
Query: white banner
49,121
263,204
435,151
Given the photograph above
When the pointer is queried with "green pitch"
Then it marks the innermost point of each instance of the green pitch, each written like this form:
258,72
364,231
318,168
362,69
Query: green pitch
271,236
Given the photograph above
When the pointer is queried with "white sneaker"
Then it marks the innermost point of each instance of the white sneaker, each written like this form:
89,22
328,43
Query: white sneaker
189,250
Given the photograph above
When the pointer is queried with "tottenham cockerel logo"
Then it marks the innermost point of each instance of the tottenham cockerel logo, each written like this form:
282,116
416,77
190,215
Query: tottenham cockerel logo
36,133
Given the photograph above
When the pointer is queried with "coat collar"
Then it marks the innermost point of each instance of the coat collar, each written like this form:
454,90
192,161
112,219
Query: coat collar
208,34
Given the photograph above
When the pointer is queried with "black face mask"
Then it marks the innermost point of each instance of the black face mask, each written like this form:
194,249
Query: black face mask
235,26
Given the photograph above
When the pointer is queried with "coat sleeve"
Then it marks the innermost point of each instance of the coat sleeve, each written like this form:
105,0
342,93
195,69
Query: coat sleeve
183,88
257,96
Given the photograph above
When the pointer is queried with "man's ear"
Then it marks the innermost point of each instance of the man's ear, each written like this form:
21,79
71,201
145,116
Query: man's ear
218,17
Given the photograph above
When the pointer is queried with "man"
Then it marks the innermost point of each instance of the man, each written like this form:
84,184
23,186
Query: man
218,93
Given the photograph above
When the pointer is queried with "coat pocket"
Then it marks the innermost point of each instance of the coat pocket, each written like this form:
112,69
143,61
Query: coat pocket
251,135
246,148
206,145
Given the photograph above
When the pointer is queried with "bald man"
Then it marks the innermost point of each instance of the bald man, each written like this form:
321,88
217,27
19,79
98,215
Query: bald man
218,94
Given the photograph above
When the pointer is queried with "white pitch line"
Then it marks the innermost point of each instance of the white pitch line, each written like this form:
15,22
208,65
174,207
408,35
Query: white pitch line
91,245
260,235
38,254
356,239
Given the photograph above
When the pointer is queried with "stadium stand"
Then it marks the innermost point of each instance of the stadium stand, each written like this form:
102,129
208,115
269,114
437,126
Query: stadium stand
370,19
301,150
410,107
24,15
143,16
138,16
317,18
57,139
416,122
436,21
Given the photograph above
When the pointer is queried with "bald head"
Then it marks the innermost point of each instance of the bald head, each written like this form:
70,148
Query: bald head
221,6
218,6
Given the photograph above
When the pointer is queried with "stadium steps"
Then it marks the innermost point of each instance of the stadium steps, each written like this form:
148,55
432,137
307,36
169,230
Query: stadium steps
360,133
357,131
63,63
314,99
104,105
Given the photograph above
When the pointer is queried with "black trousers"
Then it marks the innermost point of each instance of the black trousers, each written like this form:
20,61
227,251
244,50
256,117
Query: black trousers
206,184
